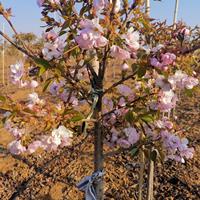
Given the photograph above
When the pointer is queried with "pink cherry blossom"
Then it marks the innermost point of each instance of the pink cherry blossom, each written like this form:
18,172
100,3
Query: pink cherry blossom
51,143
164,123
59,137
99,4
132,40
164,62
167,100
124,67
122,102
176,147
124,90
53,50
115,134
34,146
157,48
34,99
34,84
117,6
40,2
65,135
181,80
168,58
17,72
190,82
123,143
176,80
132,135
88,39
119,53
155,62
107,104
16,148
184,31
55,87
50,36
15,131
162,83
90,36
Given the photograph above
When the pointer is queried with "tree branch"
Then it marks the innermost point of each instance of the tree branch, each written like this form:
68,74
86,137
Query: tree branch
119,82
15,45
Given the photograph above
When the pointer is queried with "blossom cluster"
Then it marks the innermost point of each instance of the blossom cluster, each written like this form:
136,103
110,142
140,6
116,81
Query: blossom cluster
33,99
54,46
57,90
99,5
167,96
17,73
176,148
114,113
59,137
164,61
41,2
90,36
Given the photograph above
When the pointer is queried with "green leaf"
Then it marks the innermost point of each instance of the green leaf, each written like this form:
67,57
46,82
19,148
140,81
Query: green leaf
2,98
83,10
62,33
129,116
188,92
134,152
43,64
154,154
77,118
147,118
3,121
141,71
46,85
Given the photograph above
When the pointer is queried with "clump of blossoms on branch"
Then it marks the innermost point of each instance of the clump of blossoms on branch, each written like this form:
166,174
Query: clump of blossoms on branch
91,35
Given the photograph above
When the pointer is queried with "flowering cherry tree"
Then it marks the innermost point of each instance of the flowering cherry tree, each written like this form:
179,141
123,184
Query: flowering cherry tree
134,112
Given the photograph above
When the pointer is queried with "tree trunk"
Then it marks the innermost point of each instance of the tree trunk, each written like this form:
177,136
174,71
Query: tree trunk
141,178
176,11
98,148
150,180
98,131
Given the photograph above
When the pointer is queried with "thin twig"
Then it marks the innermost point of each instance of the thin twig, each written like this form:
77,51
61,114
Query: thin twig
16,33
119,82
15,45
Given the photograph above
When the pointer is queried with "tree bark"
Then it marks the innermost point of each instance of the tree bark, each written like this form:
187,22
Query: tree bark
141,178
150,180
98,148
98,131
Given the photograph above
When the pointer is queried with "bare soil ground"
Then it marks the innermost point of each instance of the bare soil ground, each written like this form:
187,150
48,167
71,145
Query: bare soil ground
53,176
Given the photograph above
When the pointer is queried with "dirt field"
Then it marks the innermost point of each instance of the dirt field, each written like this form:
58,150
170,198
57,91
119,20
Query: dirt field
34,177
